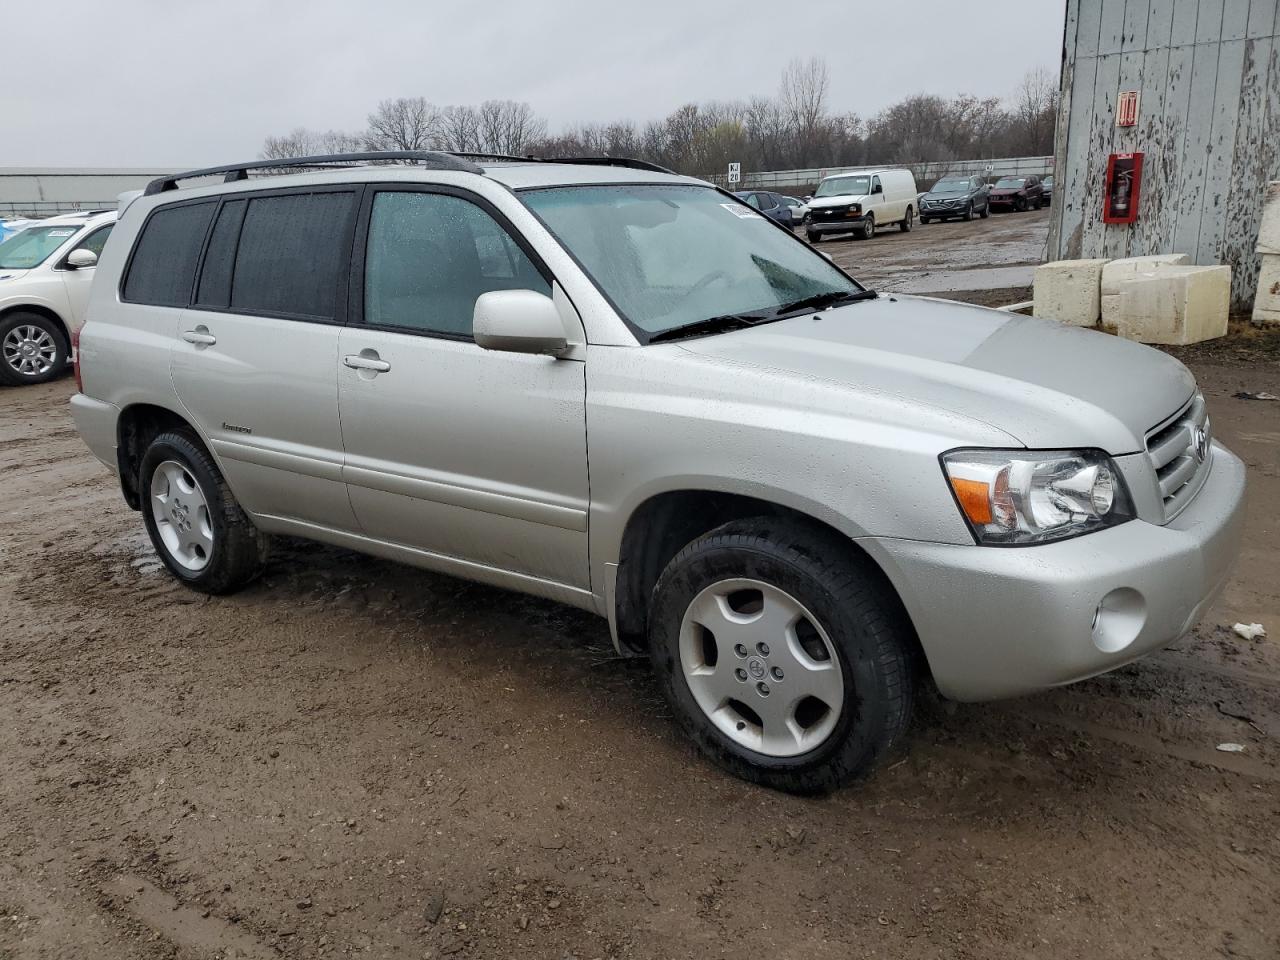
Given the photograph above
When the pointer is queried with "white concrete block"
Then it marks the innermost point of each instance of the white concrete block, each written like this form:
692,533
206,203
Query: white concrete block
1110,312
1067,291
1266,306
1269,229
1178,305
1130,268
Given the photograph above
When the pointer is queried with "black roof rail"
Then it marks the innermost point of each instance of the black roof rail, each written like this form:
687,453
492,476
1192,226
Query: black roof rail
629,162
434,159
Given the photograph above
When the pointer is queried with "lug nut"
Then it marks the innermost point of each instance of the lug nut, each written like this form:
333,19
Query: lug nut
762,649
740,650
777,673
740,674
762,688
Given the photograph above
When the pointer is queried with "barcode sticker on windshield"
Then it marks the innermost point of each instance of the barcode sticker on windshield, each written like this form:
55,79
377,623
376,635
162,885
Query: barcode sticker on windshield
61,233
741,212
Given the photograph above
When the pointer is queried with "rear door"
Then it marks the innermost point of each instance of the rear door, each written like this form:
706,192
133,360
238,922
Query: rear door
256,356
476,457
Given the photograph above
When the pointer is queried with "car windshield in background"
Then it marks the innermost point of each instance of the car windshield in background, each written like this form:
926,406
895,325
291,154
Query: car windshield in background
32,246
669,256
1011,182
951,186
844,186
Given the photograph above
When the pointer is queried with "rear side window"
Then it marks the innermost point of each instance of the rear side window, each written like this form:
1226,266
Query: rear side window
164,260
290,256
220,258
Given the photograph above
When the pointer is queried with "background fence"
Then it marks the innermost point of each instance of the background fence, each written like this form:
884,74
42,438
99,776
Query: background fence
925,173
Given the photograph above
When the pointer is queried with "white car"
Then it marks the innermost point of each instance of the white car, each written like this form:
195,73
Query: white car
859,201
45,271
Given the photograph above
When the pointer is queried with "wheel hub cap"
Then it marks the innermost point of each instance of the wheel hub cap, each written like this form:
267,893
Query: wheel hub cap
761,668
181,515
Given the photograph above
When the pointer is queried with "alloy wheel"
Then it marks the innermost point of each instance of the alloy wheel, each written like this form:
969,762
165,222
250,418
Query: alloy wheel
29,350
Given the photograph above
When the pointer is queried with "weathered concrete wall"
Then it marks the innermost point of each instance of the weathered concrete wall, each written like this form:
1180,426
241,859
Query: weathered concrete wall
43,191
1209,126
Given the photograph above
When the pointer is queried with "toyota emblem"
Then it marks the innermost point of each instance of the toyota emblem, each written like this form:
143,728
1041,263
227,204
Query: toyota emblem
1200,442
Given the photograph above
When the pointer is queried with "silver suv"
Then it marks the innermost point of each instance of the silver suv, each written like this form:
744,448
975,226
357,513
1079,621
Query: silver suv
630,392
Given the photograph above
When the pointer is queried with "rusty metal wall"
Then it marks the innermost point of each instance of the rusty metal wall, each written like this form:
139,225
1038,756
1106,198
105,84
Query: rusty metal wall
1209,125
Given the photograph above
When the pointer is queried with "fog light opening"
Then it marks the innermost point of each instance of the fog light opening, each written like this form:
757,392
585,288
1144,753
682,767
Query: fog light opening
1119,619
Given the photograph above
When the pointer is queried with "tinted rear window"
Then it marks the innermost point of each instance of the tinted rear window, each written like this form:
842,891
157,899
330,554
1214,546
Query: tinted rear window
215,276
291,255
164,260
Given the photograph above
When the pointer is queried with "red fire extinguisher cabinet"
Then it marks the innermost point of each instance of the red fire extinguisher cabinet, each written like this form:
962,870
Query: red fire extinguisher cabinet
1123,188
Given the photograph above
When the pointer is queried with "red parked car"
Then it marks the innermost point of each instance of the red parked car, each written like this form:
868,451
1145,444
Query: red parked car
1017,193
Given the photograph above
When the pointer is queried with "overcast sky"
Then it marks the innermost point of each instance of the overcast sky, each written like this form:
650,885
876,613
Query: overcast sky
195,82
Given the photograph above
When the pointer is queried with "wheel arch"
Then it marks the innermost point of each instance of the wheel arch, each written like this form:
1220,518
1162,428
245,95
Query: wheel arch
40,310
137,425
663,524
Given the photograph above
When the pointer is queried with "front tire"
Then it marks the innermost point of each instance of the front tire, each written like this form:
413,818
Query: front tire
867,229
1020,205
813,237
968,212
785,656
195,523
986,211
33,349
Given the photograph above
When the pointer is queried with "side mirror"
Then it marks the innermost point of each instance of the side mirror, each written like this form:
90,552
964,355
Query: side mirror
877,188
79,259
518,321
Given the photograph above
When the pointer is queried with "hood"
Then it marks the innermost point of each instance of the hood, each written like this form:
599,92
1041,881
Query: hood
844,199
948,195
7,275
1043,383
1001,191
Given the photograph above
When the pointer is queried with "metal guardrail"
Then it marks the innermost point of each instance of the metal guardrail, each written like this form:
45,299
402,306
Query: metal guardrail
35,209
925,173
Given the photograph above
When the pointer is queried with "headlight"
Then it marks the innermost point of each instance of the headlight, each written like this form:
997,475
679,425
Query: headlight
1015,497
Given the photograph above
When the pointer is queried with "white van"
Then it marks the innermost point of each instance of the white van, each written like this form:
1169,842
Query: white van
45,271
859,201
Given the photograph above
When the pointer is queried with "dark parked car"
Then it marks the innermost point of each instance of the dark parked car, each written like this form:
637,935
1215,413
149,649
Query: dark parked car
1047,183
955,197
1017,193
773,205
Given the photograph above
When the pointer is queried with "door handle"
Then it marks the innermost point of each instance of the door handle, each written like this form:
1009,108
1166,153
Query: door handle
360,362
200,336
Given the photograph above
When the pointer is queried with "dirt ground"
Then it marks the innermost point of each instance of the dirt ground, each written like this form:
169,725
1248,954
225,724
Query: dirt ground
352,758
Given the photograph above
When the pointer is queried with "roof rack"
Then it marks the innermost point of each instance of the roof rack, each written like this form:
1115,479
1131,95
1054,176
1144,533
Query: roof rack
629,162
434,159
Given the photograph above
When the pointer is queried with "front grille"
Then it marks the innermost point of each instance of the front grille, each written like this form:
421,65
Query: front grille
1181,453
831,213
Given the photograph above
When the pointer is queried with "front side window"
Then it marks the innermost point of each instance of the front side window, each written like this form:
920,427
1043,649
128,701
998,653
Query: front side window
429,258
290,259
671,255
844,186
33,246
163,266
95,241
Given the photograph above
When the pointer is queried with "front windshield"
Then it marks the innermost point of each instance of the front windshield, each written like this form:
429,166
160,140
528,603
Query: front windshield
669,255
950,186
844,186
1011,182
32,246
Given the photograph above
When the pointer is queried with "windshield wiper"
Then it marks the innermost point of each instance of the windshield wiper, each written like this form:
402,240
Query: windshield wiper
821,300
720,324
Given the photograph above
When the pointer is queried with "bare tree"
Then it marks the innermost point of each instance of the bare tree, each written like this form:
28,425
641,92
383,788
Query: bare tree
460,130
803,96
405,123
301,142
1035,111
509,127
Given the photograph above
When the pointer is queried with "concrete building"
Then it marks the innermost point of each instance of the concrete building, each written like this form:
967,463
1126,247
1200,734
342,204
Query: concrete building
1198,82
44,191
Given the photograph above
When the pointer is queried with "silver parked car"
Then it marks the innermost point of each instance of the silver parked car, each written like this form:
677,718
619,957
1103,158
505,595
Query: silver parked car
628,391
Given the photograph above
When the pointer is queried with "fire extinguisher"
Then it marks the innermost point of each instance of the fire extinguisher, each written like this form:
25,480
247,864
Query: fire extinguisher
1120,193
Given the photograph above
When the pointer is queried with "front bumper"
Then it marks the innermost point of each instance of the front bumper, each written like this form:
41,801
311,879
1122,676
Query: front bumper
1006,201
998,622
937,213
847,225
96,422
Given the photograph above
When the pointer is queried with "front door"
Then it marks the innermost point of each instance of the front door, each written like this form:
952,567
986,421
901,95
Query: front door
255,359
76,280
475,458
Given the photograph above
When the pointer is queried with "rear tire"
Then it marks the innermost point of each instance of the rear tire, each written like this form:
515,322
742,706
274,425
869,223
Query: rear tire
195,523
33,349
819,708
907,221
925,220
